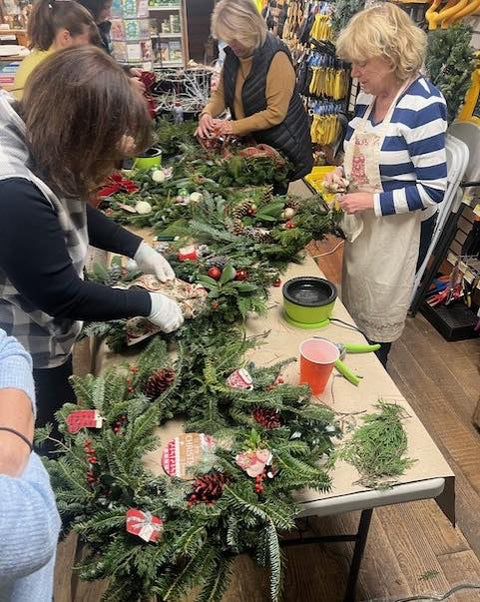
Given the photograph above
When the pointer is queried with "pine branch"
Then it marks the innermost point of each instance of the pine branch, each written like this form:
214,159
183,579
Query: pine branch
216,582
275,560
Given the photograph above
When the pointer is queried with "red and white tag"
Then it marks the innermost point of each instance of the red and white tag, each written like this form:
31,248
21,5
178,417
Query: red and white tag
187,253
144,525
240,379
84,419
184,452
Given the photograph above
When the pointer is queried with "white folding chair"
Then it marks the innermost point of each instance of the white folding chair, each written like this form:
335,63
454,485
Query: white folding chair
457,163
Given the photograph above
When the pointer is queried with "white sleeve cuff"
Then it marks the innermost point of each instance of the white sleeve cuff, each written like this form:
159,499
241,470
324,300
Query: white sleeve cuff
377,208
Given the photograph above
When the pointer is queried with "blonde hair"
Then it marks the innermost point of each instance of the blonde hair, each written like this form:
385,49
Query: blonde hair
239,20
384,31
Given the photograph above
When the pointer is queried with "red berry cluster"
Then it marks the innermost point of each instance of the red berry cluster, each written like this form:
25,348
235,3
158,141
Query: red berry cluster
278,381
133,370
207,488
259,487
91,459
119,424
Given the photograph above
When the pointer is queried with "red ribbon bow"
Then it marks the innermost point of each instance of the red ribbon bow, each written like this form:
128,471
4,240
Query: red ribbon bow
117,183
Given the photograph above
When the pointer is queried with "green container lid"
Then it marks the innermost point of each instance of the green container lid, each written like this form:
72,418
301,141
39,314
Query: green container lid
152,157
308,301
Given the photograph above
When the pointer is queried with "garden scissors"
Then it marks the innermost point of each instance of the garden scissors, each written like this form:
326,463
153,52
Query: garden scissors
345,348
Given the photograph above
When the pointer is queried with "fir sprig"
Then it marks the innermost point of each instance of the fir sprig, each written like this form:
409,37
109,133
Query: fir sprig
377,449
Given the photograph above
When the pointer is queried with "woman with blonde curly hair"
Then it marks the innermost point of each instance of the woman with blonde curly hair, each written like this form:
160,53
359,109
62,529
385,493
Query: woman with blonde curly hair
258,85
395,162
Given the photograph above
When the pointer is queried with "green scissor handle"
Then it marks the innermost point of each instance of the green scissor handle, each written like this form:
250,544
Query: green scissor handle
360,347
347,373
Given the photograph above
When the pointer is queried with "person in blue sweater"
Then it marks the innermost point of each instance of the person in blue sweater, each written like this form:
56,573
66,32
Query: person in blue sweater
395,163
29,521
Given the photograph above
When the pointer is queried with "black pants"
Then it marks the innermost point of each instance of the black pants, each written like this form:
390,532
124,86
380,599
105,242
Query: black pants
52,391
383,352
426,234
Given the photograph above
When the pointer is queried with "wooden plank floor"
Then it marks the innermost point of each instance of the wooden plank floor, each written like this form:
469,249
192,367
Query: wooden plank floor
412,548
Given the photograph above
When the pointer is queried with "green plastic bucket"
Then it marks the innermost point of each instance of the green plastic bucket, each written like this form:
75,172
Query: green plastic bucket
308,301
152,157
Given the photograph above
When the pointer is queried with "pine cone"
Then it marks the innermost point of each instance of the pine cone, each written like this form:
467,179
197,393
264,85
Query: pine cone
114,275
259,234
208,488
217,262
238,227
244,209
159,382
267,195
270,419
292,204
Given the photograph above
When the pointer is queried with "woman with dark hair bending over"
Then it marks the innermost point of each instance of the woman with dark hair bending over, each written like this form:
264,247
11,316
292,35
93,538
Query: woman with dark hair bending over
56,147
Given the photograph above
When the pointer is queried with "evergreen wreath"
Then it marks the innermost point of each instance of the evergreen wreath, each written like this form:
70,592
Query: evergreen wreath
225,509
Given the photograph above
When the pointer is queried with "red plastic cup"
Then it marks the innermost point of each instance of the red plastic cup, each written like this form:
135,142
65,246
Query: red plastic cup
317,358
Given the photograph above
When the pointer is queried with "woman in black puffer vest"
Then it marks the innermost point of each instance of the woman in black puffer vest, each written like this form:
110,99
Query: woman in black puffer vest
258,86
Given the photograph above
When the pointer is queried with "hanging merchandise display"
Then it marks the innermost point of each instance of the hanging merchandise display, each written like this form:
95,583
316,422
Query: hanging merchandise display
323,79
445,15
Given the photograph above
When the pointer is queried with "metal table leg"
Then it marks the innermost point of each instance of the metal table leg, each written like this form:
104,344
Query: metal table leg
360,539
358,550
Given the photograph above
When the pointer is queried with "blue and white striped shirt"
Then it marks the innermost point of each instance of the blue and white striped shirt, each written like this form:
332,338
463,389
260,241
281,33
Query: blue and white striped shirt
413,166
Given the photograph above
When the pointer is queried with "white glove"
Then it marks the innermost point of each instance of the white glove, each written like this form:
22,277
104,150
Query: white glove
165,313
151,262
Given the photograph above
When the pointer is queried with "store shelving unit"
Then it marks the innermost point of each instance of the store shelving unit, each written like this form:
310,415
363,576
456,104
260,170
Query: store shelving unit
168,33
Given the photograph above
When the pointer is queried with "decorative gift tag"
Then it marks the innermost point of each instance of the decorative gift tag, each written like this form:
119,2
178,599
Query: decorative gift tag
184,452
240,379
83,419
144,525
187,253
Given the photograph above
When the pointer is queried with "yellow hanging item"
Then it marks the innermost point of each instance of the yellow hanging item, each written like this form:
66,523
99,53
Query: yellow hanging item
471,108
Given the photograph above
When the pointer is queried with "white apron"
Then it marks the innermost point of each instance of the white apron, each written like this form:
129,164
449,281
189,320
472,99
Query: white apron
380,253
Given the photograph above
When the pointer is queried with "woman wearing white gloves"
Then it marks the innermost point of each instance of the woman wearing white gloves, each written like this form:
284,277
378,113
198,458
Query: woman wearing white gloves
56,147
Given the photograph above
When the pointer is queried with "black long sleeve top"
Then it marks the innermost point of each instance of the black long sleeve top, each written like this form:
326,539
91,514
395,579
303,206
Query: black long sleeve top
34,257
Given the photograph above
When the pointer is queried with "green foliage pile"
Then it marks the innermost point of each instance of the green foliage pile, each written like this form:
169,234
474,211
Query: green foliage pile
377,449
